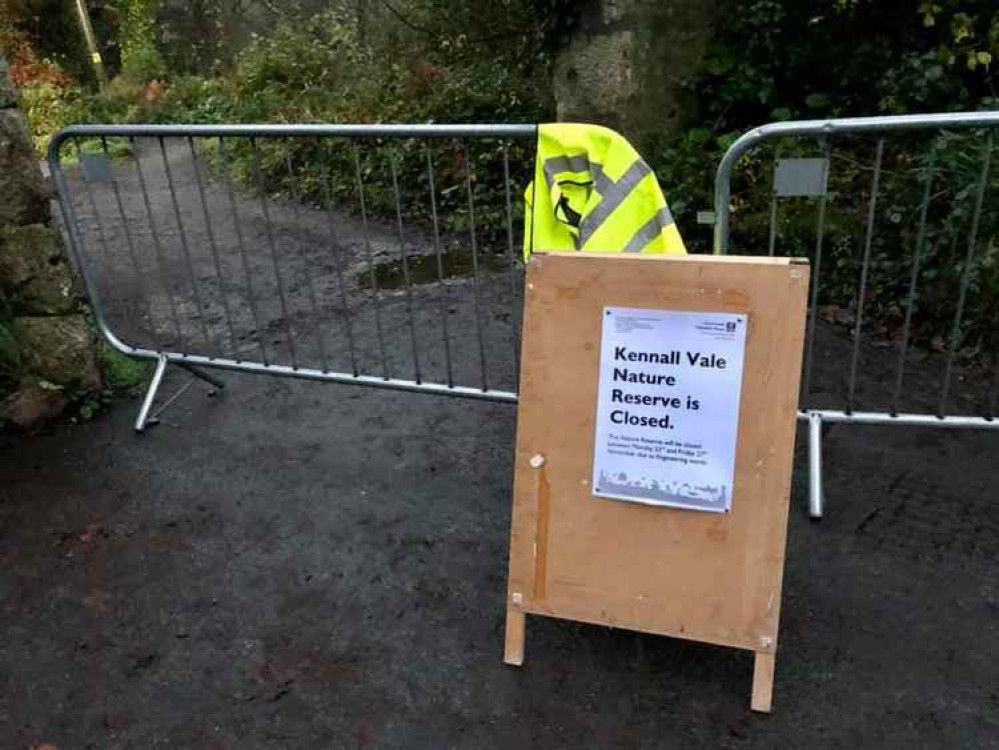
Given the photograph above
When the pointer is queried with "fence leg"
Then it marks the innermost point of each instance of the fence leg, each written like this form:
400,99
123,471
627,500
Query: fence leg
815,496
154,386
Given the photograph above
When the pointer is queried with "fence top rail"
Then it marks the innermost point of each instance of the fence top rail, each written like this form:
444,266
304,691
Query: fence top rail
264,130
829,127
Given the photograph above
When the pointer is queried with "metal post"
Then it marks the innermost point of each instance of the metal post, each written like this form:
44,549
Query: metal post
91,40
815,498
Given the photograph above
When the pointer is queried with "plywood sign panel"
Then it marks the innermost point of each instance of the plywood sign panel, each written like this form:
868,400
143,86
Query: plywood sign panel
706,576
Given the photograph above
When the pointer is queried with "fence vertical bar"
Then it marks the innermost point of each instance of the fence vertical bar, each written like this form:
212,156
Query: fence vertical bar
917,259
432,184
251,296
158,247
772,240
185,249
475,268
512,267
820,230
969,260
310,282
375,293
213,245
994,390
269,229
129,240
337,266
864,269
405,266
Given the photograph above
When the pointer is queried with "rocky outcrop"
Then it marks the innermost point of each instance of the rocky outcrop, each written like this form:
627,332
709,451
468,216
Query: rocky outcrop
34,273
47,349
23,198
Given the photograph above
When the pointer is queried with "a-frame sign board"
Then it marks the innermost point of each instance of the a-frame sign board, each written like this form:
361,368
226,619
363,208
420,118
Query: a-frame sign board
619,556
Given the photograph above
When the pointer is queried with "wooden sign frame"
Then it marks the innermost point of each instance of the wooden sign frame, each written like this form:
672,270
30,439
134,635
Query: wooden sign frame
710,577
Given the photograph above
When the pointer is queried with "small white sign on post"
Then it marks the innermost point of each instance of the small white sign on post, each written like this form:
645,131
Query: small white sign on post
668,407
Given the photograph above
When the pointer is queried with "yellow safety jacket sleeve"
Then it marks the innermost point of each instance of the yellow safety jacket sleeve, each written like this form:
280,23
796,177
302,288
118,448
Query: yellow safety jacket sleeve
593,192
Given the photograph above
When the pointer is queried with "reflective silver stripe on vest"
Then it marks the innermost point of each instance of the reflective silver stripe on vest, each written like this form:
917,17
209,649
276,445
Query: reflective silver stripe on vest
649,230
559,164
613,194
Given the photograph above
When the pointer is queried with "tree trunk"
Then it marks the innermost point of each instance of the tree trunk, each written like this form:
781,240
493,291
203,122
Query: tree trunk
625,62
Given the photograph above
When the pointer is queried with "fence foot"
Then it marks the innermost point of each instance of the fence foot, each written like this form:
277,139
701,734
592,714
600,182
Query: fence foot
147,402
145,419
815,495
216,384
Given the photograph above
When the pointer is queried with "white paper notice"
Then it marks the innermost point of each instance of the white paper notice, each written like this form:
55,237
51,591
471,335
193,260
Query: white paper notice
668,407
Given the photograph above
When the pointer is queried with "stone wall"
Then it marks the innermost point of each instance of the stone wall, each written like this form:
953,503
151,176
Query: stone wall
47,349
625,61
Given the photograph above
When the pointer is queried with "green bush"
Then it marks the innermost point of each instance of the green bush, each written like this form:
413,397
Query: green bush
45,107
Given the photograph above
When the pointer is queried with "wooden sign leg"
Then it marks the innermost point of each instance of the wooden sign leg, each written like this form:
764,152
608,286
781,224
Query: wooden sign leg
763,682
516,630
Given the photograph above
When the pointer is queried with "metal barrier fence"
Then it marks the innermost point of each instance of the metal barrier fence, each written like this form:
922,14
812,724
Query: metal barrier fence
189,258
907,226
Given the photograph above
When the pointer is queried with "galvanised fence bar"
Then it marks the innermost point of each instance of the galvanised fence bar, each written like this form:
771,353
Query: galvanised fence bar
378,255
896,217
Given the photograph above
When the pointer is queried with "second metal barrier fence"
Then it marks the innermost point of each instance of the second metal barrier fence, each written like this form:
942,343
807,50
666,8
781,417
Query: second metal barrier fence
893,213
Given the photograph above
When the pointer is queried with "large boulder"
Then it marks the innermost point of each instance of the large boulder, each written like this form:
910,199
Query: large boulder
8,96
23,198
59,349
32,404
34,272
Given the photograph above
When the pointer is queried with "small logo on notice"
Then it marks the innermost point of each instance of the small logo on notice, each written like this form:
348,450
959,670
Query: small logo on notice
730,326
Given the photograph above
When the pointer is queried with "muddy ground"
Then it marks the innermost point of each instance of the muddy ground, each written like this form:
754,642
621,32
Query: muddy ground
294,564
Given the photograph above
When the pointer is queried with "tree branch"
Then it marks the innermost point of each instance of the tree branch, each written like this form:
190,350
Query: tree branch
401,17
406,22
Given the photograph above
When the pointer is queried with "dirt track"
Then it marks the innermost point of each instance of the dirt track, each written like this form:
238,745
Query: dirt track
302,565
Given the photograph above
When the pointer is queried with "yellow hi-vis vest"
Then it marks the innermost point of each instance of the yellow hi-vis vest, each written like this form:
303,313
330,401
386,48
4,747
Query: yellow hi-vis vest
593,192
